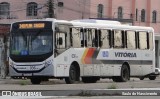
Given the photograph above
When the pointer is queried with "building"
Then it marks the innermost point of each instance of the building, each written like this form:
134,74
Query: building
16,10
135,12
141,12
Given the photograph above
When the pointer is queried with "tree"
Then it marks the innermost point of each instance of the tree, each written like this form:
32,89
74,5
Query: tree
50,7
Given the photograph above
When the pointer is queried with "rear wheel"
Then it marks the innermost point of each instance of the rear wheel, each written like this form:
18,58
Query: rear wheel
152,77
124,74
73,75
35,80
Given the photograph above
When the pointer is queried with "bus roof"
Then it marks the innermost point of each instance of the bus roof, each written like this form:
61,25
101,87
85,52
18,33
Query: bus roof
99,24
97,21
111,26
104,24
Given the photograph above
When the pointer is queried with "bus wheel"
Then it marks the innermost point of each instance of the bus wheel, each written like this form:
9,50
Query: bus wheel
35,80
90,79
152,77
73,75
124,74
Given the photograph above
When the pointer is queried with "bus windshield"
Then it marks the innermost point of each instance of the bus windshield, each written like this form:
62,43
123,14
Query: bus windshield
31,42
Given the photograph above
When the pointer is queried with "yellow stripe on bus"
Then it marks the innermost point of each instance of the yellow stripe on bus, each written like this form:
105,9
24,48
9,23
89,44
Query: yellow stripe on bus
84,55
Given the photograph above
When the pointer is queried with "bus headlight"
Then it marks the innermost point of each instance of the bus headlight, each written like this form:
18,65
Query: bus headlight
48,63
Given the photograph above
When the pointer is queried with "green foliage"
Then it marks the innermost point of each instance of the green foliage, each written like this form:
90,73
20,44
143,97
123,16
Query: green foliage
23,82
112,86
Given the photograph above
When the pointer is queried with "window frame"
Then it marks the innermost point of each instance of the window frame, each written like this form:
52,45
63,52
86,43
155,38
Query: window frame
4,9
143,15
32,9
120,12
100,11
154,16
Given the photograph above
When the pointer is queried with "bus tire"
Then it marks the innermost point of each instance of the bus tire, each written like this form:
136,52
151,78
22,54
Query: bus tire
152,77
90,79
35,80
73,75
125,74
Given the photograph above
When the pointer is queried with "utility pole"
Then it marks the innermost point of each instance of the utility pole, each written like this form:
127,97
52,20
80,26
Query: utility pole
50,7
2,60
83,9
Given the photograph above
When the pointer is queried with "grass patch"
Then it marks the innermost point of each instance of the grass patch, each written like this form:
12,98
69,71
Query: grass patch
23,82
112,86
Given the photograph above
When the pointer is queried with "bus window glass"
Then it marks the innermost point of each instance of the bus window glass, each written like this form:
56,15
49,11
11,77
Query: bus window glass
105,39
143,40
93,37
84,40
31,43
76,37
131,40
89,37
60,40
151,40
117,39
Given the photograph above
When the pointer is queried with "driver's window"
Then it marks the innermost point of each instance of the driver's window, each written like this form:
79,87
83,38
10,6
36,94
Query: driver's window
60,40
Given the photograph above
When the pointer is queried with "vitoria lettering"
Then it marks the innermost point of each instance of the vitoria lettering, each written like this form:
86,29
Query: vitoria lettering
125,54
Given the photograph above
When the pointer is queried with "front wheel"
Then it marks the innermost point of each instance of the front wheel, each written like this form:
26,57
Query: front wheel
73,75
35,80
152,77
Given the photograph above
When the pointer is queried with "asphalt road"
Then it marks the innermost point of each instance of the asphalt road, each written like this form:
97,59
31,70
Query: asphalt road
54,84
104,89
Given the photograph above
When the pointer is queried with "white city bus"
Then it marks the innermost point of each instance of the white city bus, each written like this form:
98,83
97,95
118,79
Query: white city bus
84,50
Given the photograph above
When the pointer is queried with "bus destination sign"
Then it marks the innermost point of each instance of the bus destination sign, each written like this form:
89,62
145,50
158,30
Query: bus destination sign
31,25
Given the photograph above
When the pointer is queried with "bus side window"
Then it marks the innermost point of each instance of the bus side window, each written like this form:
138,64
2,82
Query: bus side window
60,40
98,42
105,39
147,34
143,40
93,37
71,36
131,40
89,37
83,37
137,40
150,40
111,38
124,38
118,39
76,37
